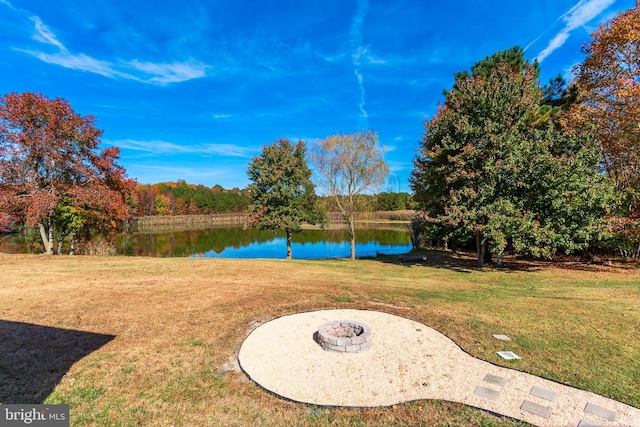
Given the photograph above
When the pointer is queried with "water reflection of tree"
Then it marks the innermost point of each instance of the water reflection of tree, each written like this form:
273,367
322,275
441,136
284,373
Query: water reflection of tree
187,243
387,237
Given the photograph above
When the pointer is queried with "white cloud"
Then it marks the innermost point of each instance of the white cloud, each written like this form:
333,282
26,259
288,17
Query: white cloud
227,176
164,147
169,73
579,15
77,62
584,11
151,174
229,150
388,148
331,58
191,172
365,55
145,72
153,146
395,166
44,35
554,44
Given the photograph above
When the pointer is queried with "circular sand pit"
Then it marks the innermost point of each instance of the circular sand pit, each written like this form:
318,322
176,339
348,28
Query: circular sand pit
408,362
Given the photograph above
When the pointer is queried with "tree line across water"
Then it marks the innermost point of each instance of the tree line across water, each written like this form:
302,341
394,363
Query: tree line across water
506,164
182,198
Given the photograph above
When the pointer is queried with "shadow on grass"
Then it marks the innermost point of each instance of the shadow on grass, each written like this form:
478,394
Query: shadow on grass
466,262
34,358
461,261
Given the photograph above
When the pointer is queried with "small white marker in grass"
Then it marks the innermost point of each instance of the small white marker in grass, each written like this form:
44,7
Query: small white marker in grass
508,355
501,337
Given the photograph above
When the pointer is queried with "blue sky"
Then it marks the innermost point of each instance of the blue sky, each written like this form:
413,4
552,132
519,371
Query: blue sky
193,89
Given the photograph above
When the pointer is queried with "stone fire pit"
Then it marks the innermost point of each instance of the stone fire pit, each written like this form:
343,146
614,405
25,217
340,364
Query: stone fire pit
345,336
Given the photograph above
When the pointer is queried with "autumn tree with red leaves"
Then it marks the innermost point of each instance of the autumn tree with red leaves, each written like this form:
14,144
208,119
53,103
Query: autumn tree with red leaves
53,175
609,85
5,222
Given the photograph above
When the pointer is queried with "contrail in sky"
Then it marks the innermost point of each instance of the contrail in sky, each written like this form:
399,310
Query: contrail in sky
357,51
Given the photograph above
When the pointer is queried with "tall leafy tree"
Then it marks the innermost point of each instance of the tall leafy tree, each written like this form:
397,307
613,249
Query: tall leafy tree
609,86
347,166
52,172
513,58
488,169
282,194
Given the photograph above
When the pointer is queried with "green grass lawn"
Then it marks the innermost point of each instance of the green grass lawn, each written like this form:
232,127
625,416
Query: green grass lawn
177,325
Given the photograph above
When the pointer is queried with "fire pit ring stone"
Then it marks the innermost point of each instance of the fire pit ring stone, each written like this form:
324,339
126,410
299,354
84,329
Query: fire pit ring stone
345,336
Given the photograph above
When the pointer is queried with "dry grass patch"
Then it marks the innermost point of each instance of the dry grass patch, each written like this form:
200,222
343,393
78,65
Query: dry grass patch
171,329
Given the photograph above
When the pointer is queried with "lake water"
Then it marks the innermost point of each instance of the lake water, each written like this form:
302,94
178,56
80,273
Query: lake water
231,242
235,242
